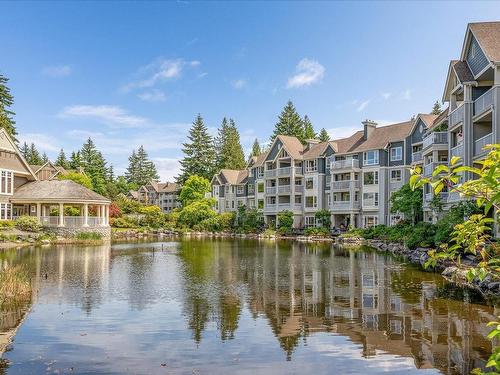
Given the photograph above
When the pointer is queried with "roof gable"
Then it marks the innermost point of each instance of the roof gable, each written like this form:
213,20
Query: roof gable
487,35
18,164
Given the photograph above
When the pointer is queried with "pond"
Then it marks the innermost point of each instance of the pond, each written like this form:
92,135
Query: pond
239,306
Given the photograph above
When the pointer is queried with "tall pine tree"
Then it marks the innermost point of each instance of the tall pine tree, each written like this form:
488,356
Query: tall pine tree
25,151
94,166
34,156
75,160
323,135
45,158
141,170
61,160
256,150
289,123
229,151
199,153
436,108
6,114
309,132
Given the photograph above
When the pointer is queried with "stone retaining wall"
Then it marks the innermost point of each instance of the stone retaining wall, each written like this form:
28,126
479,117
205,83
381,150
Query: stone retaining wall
69,232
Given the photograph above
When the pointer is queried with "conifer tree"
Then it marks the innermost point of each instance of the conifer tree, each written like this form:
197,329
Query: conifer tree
34,156
45,158
199,153
229,151
94,165
289,123
220,142
6,115
25,151
309,132
141,170
436,108
324,136
75,160
256,150
61,160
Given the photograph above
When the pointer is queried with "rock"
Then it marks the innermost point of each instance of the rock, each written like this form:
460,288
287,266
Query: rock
449,271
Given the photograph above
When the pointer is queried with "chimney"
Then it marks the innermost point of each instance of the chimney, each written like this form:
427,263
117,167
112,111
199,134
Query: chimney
369,127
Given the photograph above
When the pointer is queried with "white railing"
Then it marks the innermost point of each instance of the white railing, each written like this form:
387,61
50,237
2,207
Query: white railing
457,115
297,206
284,189
481,142
49,221
284,205
298,170
435,138
345,205
71,221
345,185
270,206
416,156
484,102
271,190
458,150
299,188
270,173
284,171
429,168
345,164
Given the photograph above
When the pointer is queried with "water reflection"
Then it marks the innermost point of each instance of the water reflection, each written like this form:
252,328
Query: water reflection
226,305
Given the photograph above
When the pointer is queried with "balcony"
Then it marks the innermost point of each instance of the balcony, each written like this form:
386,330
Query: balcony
284,171
481,142
345,205
271,190
284,189
429,196
458,151
429,168
416,156
483,103
299,188
435,138
284,206
297,206
345,164
298,170
457,116
345,185
270,173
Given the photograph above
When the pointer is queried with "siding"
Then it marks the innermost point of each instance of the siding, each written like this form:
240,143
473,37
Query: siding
479,61
274,151
400,162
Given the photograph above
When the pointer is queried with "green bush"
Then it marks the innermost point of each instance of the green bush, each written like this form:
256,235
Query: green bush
454,216
269,233
194,213
217,223
249,220
152,217
285,222
28,224
123,222
422,235
7,224
317,232
88,236
324,218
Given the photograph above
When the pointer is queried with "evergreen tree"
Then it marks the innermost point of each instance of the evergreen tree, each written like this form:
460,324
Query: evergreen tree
309,132
324,136
45,158
229,151
199,153
34,156
75,160
256,150
289,123
61,160
25,151
6,115
436,108
94,165
131,173
141,170
220,142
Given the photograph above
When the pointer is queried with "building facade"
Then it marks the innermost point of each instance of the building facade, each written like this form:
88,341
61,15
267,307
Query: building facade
163,195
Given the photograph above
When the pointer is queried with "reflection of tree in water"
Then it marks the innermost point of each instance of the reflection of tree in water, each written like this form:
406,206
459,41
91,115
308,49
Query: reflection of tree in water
229,314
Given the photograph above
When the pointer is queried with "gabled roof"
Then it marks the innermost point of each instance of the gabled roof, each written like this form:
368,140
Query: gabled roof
487,35
257,161
427,119
462,71
6,143
349,144
134,194
233,176
316,150
167,187
292,145
63,191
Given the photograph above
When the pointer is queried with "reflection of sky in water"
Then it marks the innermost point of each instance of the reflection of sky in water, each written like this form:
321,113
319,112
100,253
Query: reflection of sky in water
280,310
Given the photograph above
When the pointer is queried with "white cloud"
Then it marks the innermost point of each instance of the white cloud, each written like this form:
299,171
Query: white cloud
41,141
308,72
386,95
239,84
168,168
111,115
343,131
363,105
153,95
160,70
406,95
57,71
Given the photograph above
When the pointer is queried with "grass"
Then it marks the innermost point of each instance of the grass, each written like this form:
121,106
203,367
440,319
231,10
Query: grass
15,286
88,236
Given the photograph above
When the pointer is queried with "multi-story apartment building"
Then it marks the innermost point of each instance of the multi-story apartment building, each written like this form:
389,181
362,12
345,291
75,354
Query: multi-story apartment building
230,190
163,195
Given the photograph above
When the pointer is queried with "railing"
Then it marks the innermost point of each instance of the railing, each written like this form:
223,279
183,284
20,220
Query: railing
297,206
49,221
271,190
298,170
416,156
458,150
345,185
270,173
429,168
344,164
270,206
484,102
481,142
457,116
299,188
71,221
284,205
345,205
435,138
284,189
284,171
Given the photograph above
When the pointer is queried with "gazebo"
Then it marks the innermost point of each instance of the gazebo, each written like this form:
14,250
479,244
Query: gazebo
41,198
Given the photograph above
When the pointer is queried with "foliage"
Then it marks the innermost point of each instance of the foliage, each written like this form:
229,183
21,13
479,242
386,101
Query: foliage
218,223
317,232
456,215
123,222
229,151
195,212
28,224
199,153
6,114
31,154
71,211
194,189
324,218
152,216
77,177
114,210
7,224
140,170
407,201
61,160
436,108
15,286
249,220
285,222
88,236
309,132
94,165
268,233
494,360
289,123
128,206
323,135
256,149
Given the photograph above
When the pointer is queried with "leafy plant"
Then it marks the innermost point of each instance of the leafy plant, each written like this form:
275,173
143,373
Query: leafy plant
324,218
285,222
28,224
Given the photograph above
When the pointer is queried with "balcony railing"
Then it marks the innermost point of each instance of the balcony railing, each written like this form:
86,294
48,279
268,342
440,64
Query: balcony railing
284,189
298,170
484,102
270,206
345,205
458,150
434,138
271,190
416,156
429,168
297,206
284,206
481,142
284,171
457,116
345,164
270,173
299,188
345,185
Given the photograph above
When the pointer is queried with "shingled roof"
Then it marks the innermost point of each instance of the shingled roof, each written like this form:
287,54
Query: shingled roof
62,191
462,71
427,119
488,36
292,145
315,150
234,176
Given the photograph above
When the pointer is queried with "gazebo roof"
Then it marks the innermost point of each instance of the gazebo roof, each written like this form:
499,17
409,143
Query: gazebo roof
63,191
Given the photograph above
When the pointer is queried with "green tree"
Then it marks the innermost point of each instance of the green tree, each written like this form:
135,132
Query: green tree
199,153
34,156
323,135
196,212
75,160
61,160
229,151
94,165
45,158
324,218
25,151
289,123
309,132
256,150
141,170
77,177
436,108
407,202
285,222
6,114
194,189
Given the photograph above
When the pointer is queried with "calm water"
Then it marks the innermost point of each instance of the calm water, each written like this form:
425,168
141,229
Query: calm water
249,307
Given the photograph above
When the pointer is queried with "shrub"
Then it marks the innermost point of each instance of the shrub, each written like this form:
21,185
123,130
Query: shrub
71,211
317,232
217,223
128,206
7,224
285,222
269,233
444,226
249,220
28,223
194,189
421,234
114,210
324,218
152,217
88,236
123,222
194,213
77,177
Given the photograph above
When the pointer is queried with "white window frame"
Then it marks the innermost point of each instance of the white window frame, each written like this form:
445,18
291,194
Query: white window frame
309,221
240,189
374,160
374,199
366,218
314,201
6,186
397,153
313,184
5,211
311,165
400,175
375,178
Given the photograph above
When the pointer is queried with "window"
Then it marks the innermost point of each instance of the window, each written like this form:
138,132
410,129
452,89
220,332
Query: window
227,189
271,201
370,199
240,203
260,187
251,188
370,178
298,199
396,153
251,203
227,204
215,190
311,202
309,183
329,160
260,172
311,165
6,182
370,157
5,211
298,182
260,204
396,175
370,221
329,200
309,221
240,189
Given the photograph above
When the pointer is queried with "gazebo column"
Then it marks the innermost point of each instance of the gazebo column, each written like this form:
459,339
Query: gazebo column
107,214
39,211
85,215
61,215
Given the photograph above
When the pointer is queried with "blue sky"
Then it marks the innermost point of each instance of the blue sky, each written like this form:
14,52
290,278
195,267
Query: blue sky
130,73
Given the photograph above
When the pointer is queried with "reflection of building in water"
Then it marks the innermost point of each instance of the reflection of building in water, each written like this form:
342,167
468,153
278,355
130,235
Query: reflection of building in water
373,300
